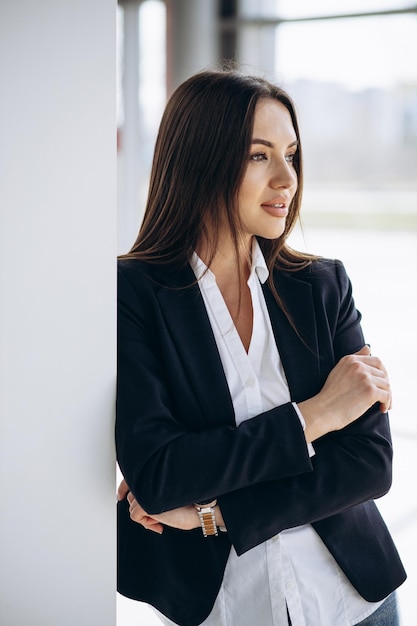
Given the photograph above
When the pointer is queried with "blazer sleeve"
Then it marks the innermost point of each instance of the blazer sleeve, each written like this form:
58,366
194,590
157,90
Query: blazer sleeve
165,464
350,466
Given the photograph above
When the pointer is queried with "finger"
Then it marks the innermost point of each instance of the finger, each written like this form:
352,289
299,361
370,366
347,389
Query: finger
155,526
384,407
375,365
122,490
134,504
137,514
381,382
384,393
377,370
378,364
364,351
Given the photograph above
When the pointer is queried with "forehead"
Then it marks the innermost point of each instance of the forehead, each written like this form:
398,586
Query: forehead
272,121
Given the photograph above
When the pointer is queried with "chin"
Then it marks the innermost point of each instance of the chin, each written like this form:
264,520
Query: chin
271,234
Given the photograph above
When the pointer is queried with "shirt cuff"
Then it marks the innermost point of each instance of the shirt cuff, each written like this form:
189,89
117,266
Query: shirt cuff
310,448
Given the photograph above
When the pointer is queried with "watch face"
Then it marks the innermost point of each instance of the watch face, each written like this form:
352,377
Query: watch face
204,505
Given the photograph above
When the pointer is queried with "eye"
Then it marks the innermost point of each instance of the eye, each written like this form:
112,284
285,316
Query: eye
290,157
258,157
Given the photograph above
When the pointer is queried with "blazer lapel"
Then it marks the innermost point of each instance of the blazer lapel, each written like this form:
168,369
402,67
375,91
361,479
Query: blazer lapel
186,317
298,351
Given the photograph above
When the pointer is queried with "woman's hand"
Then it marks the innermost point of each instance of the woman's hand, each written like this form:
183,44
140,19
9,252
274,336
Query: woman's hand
183,518
123,490
137,513
356,383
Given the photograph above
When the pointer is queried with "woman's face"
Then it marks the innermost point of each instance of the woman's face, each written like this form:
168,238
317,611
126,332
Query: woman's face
270,180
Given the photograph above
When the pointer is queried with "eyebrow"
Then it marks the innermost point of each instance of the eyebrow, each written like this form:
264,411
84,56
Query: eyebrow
267,143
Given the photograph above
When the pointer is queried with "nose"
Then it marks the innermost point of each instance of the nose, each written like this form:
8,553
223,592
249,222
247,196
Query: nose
284,176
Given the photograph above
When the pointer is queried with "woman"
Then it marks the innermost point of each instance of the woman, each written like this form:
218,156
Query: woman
252,428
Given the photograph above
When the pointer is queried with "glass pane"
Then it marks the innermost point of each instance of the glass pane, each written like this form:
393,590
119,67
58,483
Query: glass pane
152,53
258,8
355,84
355,53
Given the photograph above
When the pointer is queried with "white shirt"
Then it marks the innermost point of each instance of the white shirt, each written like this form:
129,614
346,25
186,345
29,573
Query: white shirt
294,568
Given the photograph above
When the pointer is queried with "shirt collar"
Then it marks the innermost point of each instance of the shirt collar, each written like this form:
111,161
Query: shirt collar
258,262
258,265
200,269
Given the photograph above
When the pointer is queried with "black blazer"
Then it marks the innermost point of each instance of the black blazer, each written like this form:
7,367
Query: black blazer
177,441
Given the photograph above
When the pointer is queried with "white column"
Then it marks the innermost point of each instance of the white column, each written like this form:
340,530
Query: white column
131,169
192,37
57,312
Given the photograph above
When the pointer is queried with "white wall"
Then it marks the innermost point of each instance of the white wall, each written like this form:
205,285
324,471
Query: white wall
57,312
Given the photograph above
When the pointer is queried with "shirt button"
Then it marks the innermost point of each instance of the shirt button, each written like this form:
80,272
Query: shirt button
251,382
290,585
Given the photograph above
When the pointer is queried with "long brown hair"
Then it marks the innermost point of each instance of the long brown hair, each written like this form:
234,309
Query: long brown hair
199,162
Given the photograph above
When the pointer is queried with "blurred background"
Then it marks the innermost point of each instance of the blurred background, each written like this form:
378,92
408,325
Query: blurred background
350,67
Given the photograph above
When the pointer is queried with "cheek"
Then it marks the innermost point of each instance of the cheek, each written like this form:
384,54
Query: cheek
245,192
251,184
295,175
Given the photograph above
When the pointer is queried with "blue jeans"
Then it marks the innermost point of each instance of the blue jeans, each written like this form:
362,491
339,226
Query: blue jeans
386,615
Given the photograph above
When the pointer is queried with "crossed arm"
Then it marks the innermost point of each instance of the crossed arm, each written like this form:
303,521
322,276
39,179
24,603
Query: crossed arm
354,385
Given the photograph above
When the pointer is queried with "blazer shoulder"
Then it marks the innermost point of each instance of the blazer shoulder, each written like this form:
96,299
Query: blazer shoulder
138,273
141,275
322,267
136,288
133,268
326,274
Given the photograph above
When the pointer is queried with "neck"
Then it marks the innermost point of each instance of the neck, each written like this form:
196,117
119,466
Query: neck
231,269
225,261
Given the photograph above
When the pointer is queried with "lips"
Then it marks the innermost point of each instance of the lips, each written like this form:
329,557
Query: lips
277,209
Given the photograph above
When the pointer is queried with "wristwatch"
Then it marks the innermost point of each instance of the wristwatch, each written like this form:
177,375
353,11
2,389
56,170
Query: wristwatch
207,517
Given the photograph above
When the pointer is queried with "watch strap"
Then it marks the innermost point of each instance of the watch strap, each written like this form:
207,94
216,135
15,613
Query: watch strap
207,516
